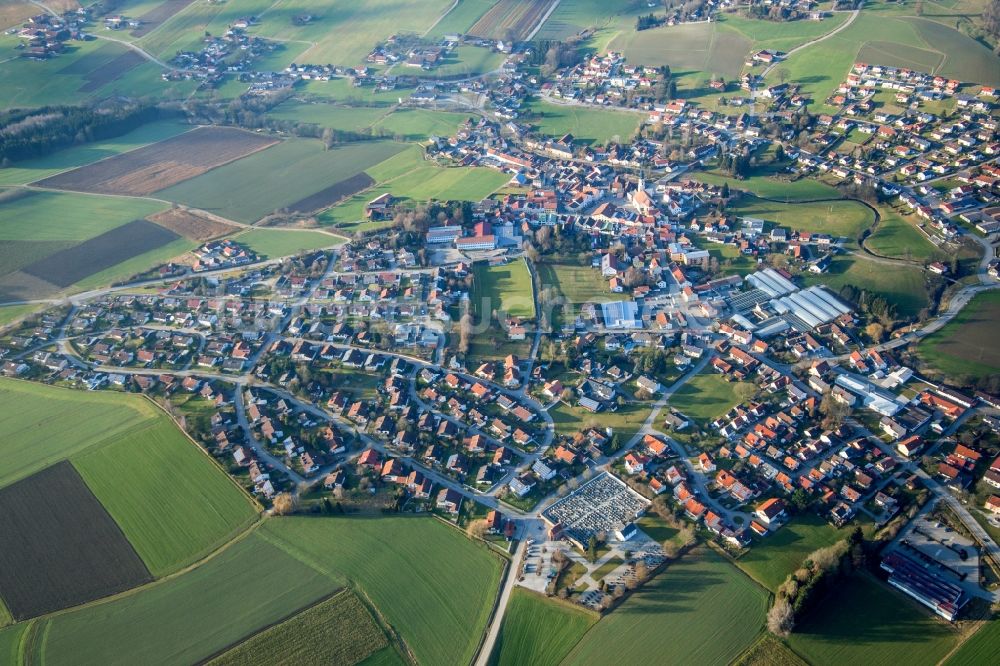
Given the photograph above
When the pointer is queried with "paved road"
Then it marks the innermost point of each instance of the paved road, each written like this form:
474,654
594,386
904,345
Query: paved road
486,649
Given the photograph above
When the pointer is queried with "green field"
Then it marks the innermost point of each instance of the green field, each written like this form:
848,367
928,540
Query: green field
867,622
432,584
32,83
29,171
780,35
980,649
339,630
338,117
63,216
694,47
464,61
701,610
899,238
174,504
773,188
899,283
33,439
9,313
420,124
171,501
504,288
837,218
625,421
705,397
965,346
538,631
903,41
138,264
10,642
407,176
461,18
577,284
772,558
586,124
273,243
246,587
257,185
769,651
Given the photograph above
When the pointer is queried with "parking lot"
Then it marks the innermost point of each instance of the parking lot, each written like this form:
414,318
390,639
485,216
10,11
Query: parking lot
943,550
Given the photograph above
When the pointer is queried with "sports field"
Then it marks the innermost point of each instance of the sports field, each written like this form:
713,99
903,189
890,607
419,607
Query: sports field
577,284
249,189
538,630
867,622
701,610
705,397
586,124
432,584
249,585
338,630
172,501
772,558
273,243
504,288
965,346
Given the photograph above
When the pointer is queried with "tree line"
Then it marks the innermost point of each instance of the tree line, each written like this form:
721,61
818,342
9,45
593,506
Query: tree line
31,133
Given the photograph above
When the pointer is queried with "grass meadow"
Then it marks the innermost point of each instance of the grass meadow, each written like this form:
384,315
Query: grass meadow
867,622
282,242
338,630
773,188
965,345
538,630
34,440
76,156
771,559
249,585
901,284
173,502
430,582
700,610
577,284
586,124
257,185
705,397
899,238
837,218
